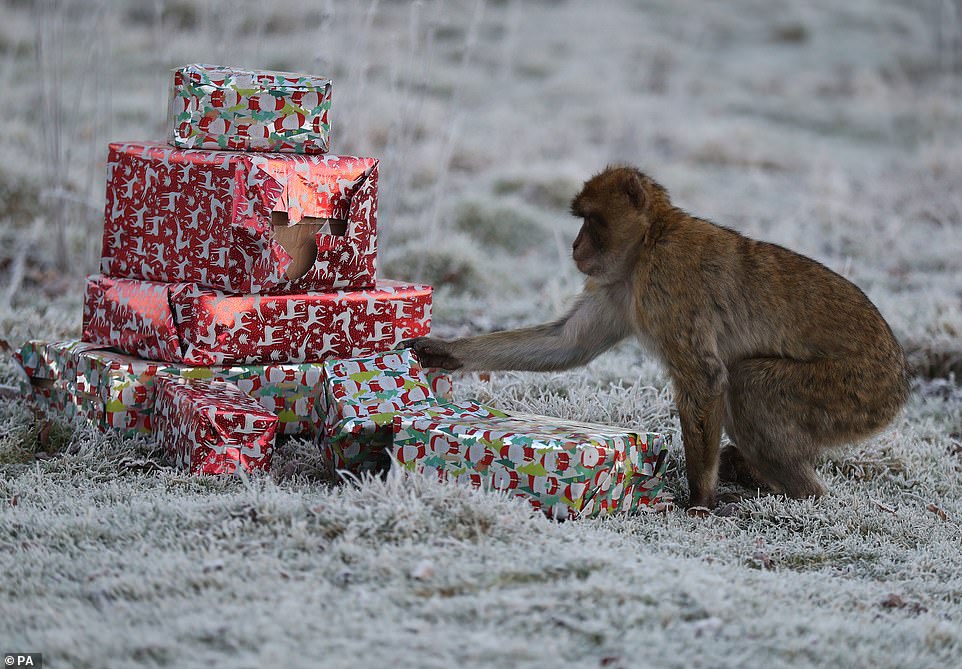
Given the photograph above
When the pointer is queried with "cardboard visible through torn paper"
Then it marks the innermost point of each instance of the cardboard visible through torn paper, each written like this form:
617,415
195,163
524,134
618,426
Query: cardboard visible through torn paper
300,240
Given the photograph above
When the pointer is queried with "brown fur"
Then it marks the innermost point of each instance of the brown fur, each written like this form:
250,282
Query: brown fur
787,356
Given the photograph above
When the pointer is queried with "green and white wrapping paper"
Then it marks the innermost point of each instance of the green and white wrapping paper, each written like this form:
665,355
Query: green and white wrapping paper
116,391
564,468
362,396
215,107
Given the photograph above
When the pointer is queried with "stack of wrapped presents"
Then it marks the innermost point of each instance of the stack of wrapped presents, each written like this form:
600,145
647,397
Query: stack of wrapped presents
238,300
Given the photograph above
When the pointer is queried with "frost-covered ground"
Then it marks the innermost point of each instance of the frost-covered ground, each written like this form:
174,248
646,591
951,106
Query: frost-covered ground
832,128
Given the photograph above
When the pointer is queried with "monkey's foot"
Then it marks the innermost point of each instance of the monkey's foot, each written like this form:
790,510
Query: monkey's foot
727,510
698,511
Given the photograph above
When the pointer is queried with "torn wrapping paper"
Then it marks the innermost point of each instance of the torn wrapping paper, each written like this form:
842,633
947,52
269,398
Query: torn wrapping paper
198,326
212,427
116,391
361,396
564,468
208,217
214,107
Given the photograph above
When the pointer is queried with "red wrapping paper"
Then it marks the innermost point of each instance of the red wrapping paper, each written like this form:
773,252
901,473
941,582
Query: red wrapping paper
212,427
189,324
198,216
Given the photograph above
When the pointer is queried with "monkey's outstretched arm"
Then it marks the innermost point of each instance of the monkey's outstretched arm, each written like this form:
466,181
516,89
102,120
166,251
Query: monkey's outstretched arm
593,325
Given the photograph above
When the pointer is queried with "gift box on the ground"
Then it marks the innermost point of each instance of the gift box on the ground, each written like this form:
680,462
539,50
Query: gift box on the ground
46,363
214,107
212,427
362,396
50,379
240,222
564,468
116,391
199,326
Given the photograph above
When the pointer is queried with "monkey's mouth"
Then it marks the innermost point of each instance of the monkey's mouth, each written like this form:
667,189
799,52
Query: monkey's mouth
584,265
579,257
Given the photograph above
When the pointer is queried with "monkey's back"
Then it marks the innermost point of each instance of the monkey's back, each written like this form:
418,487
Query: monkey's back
773,302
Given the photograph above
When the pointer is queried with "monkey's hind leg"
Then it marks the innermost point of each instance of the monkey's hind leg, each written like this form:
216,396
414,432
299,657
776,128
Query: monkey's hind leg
733,468
781,413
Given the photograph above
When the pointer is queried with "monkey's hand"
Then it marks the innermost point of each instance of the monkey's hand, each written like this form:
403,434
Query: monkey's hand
432,352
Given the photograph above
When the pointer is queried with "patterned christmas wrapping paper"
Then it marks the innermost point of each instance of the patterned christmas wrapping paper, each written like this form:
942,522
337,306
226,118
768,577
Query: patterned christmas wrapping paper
566,469
214,107
442,385
50,362
212,427
197,326
116,391
361,396
205,217
50,380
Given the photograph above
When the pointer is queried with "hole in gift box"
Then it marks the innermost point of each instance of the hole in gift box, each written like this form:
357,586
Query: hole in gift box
300,240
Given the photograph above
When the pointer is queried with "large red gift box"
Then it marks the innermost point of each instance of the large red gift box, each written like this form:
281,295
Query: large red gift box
208,217
189,324
212,427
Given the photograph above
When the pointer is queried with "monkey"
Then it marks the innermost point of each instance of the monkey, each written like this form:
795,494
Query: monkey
786,356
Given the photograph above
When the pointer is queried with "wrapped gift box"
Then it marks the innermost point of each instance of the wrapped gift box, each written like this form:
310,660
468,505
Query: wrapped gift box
361,396
213,107
50,379
564,468
212,427
49,362
221,219
116,391
198,326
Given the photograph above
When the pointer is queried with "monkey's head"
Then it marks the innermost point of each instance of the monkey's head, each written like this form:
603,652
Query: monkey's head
617,206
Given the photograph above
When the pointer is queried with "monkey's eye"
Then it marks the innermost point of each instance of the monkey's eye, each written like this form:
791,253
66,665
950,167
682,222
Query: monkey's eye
595,221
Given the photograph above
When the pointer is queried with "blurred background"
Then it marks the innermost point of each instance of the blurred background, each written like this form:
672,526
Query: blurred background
832,128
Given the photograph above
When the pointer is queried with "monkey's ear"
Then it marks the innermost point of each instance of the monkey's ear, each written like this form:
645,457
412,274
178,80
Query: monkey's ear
635,190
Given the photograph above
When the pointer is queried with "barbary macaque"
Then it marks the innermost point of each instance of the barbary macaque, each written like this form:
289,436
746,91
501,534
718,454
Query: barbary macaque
785,355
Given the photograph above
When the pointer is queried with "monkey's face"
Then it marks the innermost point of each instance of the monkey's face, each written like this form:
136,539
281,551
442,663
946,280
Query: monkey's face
588,247
614,206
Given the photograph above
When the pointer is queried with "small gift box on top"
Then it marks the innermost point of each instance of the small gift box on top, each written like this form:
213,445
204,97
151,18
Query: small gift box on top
216,107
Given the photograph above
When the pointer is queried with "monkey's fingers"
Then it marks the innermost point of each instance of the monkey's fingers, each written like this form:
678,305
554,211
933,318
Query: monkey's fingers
412,343
432,353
